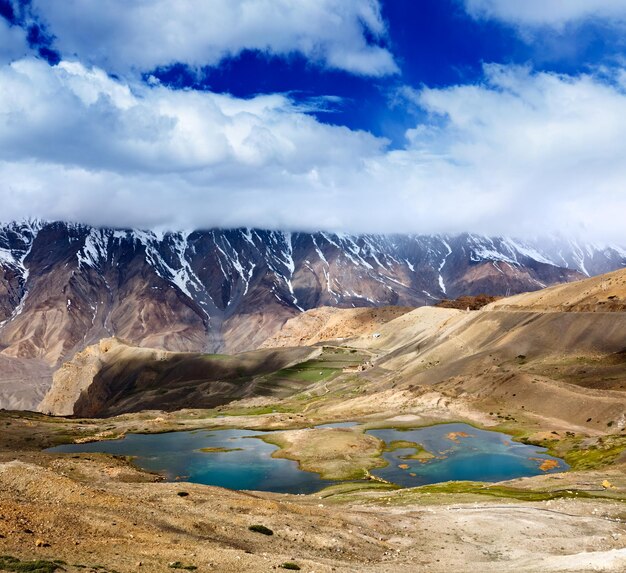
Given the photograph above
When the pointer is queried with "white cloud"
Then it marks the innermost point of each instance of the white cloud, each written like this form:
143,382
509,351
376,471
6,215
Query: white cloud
553,13
537,150
521,153
77,144
122,36
79,116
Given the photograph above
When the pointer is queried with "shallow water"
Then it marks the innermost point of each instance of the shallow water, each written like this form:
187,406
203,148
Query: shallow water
178,456
462,453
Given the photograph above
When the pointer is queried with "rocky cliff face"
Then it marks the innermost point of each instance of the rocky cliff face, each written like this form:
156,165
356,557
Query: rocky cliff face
66,286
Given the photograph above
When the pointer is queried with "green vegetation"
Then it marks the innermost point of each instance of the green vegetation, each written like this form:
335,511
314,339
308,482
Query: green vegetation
219,450
401,445
420,453
310,371
291,566
321,369
217,356
8,563
261,529
430,493
478,488
580,453
345,489
439,493
257,411
592,457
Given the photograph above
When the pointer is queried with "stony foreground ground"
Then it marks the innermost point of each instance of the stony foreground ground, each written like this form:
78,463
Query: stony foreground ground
97,513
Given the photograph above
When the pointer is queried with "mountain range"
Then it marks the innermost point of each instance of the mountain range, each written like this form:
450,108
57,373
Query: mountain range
64,286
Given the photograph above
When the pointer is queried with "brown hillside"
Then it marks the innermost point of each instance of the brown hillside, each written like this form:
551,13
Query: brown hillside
328,323
112,377
605,293
468,302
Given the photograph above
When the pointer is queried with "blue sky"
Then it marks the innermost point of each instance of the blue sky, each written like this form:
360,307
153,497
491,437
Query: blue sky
377,115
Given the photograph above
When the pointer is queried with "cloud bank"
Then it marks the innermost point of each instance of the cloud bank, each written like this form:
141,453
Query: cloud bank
520,153
551,13
125,37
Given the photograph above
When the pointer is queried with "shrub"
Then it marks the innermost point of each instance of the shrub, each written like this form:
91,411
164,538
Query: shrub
291,566
8,563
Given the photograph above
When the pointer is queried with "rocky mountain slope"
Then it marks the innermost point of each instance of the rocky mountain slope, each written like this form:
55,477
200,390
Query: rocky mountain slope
65,286
561,365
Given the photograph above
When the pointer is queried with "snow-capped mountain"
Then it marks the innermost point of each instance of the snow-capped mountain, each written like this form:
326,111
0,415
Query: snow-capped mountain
64,286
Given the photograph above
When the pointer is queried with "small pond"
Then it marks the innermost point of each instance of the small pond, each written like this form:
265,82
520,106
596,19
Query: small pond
231,458
238,459
459,452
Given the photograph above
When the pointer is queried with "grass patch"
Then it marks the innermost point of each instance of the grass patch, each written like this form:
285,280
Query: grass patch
304,373
478,488
344,489
419,452
8,563
578,454
219,450
573,449
258,411
217,357
321,369
411,495
438,493
593,457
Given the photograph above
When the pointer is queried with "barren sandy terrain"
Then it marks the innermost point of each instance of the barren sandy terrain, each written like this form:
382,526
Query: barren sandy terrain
326,323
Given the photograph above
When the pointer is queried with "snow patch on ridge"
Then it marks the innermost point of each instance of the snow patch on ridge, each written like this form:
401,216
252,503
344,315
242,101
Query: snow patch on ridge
95,250
442,284
16,258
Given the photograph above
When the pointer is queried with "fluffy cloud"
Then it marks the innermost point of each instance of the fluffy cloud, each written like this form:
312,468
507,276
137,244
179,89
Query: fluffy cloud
122,36
520,153
553,13
81,145
540,151
77,116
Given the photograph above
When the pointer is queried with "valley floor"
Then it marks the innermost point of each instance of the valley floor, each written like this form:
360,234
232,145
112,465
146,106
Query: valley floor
94,512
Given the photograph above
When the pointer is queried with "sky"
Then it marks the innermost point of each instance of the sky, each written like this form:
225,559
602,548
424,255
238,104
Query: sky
421,116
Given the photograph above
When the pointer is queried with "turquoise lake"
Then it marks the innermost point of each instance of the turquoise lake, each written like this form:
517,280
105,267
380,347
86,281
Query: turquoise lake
460,452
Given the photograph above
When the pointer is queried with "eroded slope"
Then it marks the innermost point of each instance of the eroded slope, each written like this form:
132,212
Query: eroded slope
113,377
